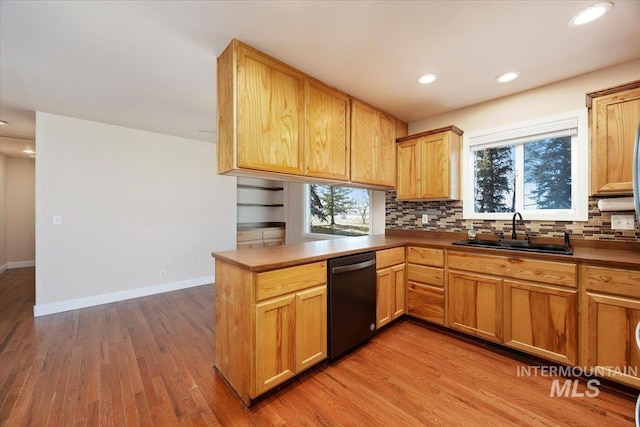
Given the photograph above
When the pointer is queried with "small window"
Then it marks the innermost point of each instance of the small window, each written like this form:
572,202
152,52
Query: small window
538,168
337,211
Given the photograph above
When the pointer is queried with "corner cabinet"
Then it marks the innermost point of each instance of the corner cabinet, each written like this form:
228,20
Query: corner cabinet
373,148
391,293
615,114
429,165
270,326
610,313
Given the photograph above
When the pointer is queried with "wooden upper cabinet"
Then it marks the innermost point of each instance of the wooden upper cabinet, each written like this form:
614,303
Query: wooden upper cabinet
326,135
402,129
615,114
373,151
270,113
429,165
260,112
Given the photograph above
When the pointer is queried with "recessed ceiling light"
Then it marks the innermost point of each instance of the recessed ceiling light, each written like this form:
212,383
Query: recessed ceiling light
590,14
2,122
28,151
507,77
427,78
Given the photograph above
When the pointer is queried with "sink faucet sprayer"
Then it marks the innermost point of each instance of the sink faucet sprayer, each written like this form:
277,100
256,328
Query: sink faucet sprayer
513,225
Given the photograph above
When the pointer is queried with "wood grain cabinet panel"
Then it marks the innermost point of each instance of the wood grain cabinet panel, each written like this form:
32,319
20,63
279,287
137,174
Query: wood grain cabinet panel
270,114
311,327
426,284
541,320
429,165
373,148
425,302
610,313
391,299
326,134
275,342
614,122
475,305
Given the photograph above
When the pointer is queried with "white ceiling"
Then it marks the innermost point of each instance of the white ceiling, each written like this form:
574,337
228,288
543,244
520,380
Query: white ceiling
151,65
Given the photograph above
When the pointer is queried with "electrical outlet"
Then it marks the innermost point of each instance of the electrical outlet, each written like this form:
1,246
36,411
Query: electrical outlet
163,273
57,219
622,222
425,219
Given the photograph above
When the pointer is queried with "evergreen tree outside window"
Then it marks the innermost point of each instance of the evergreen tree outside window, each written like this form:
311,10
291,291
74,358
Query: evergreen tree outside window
537,168
339,211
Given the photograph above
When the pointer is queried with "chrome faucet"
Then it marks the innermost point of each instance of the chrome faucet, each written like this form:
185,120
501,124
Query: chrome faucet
513,225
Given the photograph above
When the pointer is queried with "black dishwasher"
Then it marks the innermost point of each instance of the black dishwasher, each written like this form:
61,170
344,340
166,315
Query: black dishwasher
352,302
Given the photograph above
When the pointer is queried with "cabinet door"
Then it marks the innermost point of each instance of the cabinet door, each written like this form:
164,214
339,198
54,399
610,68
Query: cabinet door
408,153
614,125
434,173
426,302
326,132
610,337
275,342
399,291
270,114
384,283
475,305
541,320
363,144
311,327
385,156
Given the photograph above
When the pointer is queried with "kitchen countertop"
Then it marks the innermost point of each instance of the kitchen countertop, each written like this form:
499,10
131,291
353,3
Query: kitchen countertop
611,254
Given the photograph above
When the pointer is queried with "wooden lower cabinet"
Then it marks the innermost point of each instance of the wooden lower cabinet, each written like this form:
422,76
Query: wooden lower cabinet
275,342
610,314
311,327
291,336
425,284
475,305
541,320
391,291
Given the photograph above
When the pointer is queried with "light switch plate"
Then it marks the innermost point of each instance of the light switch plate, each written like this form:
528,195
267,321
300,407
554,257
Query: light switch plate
622,222
425,219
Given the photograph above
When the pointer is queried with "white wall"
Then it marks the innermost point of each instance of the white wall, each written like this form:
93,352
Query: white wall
132,203
294,205
560,97
20,212
3,215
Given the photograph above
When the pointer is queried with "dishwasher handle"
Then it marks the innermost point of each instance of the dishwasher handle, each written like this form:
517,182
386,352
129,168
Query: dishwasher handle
353,267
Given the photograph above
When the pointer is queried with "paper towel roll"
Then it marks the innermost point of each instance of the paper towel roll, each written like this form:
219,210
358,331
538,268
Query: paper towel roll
617,204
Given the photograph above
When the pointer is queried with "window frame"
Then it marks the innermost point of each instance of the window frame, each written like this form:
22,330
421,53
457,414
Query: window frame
579,166
306,220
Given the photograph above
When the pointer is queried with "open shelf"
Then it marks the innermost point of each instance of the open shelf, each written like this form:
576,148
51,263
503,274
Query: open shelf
278,205
259,187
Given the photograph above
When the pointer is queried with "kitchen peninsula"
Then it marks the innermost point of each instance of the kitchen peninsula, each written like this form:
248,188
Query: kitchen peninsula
270,303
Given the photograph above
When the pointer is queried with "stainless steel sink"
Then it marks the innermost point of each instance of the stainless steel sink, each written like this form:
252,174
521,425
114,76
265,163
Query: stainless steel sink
518,245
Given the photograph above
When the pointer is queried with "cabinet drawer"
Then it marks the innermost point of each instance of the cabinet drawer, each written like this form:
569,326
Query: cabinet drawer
285,280
273,233
425,256
613,281
426,303
423,274
248,235
389,257
552,272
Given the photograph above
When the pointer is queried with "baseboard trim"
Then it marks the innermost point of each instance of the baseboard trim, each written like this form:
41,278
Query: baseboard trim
20,264
74,304
3,268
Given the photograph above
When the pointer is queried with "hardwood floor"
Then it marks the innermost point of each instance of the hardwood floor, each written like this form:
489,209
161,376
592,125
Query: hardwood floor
148,361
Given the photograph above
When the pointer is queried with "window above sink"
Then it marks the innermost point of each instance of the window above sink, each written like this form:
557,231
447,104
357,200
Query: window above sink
539,168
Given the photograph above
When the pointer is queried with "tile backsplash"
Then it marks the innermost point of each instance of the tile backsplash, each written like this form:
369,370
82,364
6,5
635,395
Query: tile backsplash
447,216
